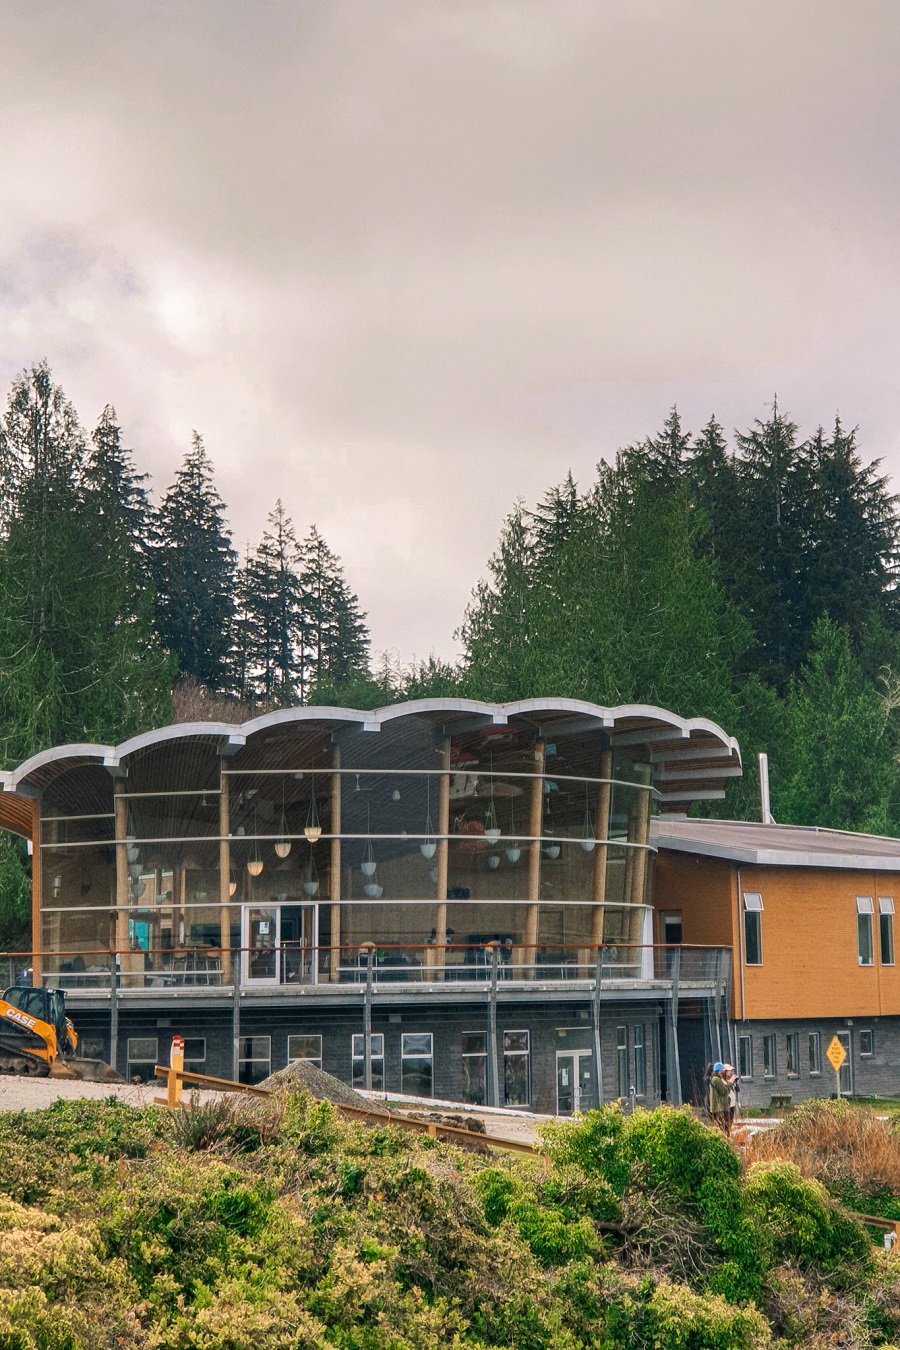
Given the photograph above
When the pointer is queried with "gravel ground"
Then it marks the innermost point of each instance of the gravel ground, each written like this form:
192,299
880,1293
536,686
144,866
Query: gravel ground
322,1085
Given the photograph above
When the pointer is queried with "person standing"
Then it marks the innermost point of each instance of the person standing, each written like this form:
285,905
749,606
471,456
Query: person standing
719,1092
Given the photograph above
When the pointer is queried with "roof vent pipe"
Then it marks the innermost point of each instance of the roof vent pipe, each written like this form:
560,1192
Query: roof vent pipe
767,817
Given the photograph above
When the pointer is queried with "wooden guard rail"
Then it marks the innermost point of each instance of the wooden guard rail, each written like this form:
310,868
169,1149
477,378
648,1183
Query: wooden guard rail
450,1134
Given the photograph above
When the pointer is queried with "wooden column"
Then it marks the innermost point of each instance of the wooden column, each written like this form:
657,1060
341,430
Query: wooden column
601,852
123,897
641,839
225,874
335,869
37,932
443,855
535,829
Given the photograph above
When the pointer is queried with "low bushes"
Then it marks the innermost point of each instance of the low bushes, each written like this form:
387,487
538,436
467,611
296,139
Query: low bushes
235,1229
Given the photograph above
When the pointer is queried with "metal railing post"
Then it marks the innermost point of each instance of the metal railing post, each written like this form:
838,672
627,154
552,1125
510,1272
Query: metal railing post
595,1027
492,1058
236,974
114,1012
368,948
674,1059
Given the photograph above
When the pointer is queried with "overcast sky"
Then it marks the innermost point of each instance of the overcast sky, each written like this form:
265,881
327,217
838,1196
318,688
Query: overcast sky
403,262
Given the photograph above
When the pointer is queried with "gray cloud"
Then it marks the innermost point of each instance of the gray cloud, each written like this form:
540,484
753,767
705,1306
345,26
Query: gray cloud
402,262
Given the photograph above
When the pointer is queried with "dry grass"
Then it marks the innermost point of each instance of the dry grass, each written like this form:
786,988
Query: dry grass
834,1142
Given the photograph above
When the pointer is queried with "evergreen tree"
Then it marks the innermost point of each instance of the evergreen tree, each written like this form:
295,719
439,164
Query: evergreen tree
839,769
659,460
712,481
336,639
78,660
497,632
274,603
118,490
195,575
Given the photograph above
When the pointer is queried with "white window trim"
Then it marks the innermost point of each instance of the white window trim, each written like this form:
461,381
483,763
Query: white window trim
885,904
746,1036
753,902
816,1073
866,1054
864,904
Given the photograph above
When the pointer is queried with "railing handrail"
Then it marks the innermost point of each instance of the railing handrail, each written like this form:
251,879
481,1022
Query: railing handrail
586,945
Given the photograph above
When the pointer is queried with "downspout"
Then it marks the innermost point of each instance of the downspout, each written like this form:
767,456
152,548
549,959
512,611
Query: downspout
740,931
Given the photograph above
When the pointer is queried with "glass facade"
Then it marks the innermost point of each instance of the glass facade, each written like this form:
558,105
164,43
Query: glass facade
457,853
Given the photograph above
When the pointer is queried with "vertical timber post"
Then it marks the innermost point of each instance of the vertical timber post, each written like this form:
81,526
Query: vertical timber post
527,954
334,960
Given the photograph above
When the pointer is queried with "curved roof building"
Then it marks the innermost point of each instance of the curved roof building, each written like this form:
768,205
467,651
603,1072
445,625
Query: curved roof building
465,840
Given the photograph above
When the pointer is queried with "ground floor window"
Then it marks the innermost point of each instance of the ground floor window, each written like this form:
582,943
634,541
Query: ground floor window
474,1067
143,1056
640,1062
866,1042
815,1052
793,1054
195,1054
307,1048
745,1056
516,1068
622,1061
417,1063
254,1058
770,1060
358,1048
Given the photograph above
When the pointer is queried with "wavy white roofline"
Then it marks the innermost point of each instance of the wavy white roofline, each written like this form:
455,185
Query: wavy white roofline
237,734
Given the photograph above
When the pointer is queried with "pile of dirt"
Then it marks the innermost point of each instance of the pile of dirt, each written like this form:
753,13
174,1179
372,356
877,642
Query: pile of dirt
323,1086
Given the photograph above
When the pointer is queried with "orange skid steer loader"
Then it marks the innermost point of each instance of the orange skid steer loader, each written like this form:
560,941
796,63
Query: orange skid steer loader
37,1039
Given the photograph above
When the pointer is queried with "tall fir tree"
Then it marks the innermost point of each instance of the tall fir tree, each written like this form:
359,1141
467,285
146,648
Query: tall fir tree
78,658
195,574
336,637
274,601
119,490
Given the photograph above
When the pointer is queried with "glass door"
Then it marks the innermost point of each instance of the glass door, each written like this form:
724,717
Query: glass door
574,1082
261,940
298,934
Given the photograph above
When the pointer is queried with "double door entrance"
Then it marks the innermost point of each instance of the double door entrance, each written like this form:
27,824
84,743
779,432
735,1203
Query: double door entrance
574,1082
279,943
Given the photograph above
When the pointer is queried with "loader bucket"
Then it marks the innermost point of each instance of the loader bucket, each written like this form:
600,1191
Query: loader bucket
88,1070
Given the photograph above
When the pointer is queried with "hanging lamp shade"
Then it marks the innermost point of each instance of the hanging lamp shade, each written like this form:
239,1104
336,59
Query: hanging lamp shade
255,862
311,881
513,852
428,846
313,827
255,866
282,843
232,883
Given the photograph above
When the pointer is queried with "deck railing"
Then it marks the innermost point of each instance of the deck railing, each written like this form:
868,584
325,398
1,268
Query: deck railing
286,965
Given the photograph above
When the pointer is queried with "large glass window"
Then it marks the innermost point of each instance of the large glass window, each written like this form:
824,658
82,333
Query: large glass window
516,1068
640,1062
815,1052
307,1048
753,907
792,1065
358,1047
254,1058
745,1055
143,1056
866,1043
474,1067
417,1064
622,1061
865,945
886,928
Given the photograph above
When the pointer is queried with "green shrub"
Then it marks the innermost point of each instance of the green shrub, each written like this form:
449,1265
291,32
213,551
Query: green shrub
801,1222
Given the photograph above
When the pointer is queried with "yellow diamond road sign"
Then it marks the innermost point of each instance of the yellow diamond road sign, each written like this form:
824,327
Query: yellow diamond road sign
836,1054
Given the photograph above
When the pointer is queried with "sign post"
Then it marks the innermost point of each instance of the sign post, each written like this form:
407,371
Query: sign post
176,1064
836,1054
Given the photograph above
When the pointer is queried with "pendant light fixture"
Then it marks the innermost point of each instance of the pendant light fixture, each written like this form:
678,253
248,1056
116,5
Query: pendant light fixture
588,839
232,882
255,862
282,843
311,883
513,852
551,848
313,827
428,847
491,828
368,864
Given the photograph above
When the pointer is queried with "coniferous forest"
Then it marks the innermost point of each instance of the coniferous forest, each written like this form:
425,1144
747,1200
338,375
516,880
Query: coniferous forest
752,579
